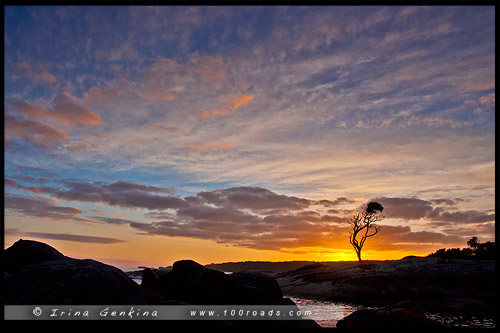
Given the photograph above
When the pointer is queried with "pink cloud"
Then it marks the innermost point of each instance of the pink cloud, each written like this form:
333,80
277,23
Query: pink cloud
163,128
64,110
34,132
36,74
485,101
45,76
102,94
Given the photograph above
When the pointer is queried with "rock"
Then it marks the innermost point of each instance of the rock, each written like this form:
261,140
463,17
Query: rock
387,319
193,283
26,252
308,267
52,278
149,280
261,281
460,306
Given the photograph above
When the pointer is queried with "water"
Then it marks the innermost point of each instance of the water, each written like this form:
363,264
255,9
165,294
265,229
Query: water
327,314
462,320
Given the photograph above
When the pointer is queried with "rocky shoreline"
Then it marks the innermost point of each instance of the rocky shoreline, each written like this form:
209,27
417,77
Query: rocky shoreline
405,288
36,273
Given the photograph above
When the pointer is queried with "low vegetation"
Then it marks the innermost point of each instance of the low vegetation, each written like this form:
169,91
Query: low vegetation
475,250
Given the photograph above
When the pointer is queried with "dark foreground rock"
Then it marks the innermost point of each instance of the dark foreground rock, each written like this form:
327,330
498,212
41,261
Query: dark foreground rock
35,273
262,282
24,253
443,286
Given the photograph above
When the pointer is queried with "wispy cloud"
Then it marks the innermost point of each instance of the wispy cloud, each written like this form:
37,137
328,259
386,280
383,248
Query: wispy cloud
74,238
212,146
40,208
121,193
37,75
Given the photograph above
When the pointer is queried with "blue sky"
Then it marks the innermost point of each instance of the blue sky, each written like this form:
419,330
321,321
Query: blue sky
142,104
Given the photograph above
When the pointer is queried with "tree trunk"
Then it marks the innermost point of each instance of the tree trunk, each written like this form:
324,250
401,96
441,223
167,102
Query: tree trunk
358,253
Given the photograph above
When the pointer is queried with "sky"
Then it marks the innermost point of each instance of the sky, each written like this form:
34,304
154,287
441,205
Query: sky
146,135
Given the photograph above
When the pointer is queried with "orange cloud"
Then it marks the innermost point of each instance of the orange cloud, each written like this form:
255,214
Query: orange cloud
241,100
231,104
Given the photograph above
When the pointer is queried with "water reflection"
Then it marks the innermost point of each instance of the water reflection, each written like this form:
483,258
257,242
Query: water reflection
327,314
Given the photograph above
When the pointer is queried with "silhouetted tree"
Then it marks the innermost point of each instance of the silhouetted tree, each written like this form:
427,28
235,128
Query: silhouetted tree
363,225
473,243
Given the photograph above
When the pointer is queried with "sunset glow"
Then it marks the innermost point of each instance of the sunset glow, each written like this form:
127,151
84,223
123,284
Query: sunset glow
146,135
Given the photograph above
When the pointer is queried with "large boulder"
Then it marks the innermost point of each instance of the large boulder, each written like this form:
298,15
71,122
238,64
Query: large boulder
193,283
26,252
42,275
149,280
262,282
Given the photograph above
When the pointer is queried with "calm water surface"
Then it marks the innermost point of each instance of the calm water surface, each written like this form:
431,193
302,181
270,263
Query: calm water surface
326,314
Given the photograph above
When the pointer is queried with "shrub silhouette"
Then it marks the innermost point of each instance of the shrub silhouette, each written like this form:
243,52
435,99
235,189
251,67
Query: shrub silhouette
476,250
